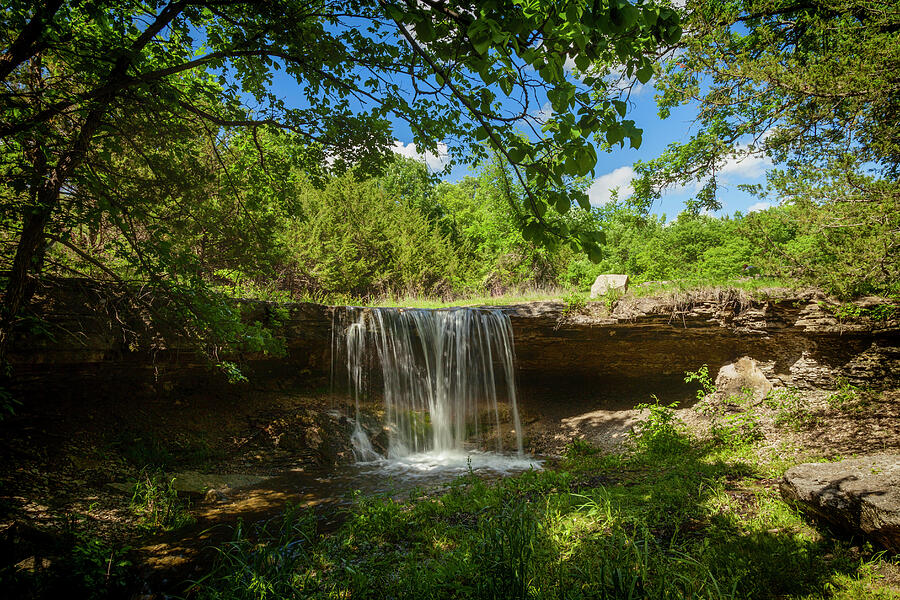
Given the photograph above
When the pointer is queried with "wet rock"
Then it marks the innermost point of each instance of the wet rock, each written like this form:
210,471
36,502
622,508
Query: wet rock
605,283
860,495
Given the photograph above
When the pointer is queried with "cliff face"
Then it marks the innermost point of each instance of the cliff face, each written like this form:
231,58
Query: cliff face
796,338
88,340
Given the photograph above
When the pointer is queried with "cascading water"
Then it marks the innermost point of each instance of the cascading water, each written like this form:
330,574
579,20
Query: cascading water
448,377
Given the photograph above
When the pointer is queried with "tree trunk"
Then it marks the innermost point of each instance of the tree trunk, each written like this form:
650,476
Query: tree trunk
28,259
48,181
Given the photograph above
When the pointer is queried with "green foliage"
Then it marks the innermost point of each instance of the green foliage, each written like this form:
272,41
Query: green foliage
574,302
266,562
579,447
98,568
848,397
766,78
701,376
8,403
156,503
135,154
232,372
849,311
142,449
356,240
790,409
661,431
506,542
81,565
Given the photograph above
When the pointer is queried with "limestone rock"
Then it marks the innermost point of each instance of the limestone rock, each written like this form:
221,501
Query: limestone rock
860,495
734,377
605,283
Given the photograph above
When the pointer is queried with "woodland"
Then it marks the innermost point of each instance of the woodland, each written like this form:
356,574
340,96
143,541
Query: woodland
147,147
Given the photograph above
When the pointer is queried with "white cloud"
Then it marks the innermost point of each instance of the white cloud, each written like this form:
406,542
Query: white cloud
759,206
435,162
747,165
601,190
544,113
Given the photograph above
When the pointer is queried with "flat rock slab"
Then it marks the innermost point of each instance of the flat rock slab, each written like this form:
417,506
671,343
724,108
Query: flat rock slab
192,483
859,495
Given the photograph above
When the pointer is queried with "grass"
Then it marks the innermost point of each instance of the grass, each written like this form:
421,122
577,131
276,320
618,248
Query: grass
675,517
637,289
749,284
515,297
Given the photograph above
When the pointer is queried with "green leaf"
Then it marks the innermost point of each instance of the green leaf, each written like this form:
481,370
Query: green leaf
636,138
644,73
615,134
517,154
595,255
480,35
582,199
582,62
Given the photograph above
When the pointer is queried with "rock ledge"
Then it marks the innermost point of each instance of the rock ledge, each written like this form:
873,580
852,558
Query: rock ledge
860,495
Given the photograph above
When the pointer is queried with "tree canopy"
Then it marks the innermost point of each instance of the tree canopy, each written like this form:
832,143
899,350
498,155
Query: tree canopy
150,118
812,85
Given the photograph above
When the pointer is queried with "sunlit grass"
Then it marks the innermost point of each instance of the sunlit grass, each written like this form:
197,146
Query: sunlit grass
514,297
651,523
559,294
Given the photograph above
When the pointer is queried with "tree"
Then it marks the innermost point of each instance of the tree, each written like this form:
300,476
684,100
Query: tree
77,77
813,85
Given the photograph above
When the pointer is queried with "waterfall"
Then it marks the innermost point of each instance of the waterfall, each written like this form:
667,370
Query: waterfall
444,376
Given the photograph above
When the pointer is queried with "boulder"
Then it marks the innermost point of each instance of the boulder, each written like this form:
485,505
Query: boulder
606,283
745,373
859,495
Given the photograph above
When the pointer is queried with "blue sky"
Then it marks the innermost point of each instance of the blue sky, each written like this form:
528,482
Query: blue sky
613,168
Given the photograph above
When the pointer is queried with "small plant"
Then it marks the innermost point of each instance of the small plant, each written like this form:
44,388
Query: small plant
155,501
100,568
701,376
575,303
744,399
737,429
611,297
579,447
847,397
853,312
789,408
266,562
8,403
507,540
660,431
142,449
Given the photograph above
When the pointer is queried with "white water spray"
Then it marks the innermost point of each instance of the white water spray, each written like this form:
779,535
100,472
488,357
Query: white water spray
445,375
